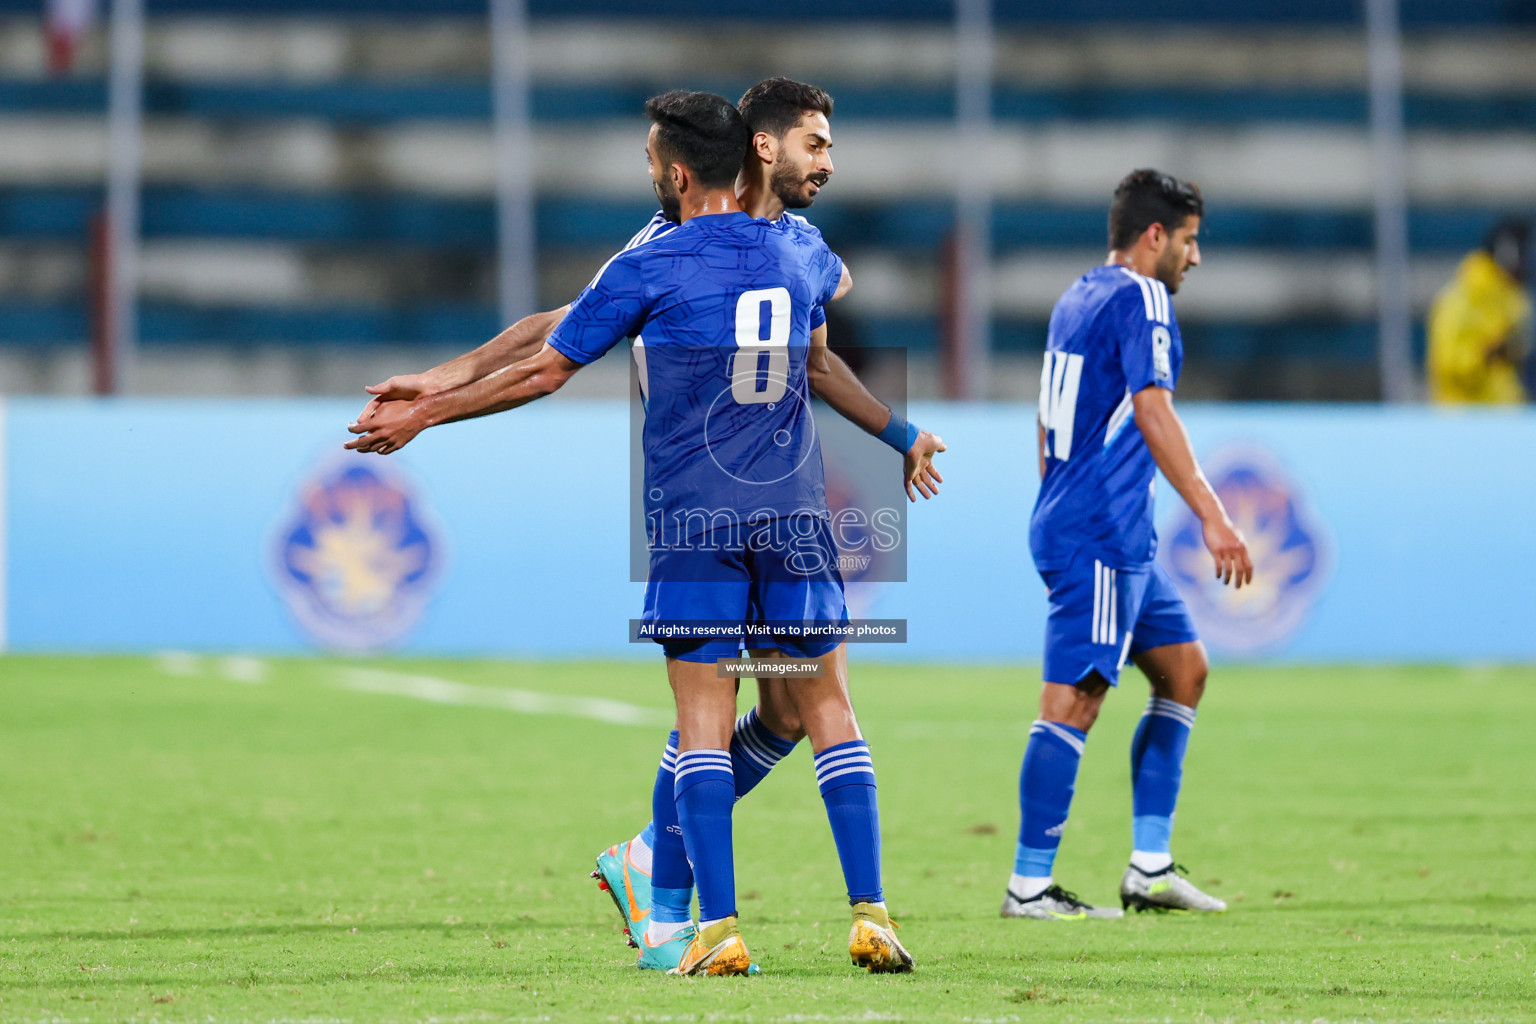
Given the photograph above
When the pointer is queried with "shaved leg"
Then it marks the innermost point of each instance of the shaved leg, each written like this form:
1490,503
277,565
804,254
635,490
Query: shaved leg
1177,672
705,784
775,705
823,705
706,705
1047,781
1075,705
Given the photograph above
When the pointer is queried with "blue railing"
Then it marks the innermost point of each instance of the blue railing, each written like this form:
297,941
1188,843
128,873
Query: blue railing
1240,12
342,218
354,102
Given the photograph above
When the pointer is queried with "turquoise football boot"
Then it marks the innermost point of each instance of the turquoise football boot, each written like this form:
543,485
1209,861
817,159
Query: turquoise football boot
629,888
667,955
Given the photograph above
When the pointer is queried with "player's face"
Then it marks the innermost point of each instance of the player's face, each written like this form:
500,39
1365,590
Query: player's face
1181,253
661,181
803,163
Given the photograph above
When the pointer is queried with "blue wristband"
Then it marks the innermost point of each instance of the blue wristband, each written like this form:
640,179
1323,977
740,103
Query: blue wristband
899,434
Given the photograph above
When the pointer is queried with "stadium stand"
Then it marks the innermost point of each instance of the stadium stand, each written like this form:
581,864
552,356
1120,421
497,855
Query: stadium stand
318,182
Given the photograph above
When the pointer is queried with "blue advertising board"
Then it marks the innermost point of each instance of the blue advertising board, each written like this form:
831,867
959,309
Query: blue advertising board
1380,534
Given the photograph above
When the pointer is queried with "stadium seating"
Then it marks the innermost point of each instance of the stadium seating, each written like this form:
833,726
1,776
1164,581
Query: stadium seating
314,178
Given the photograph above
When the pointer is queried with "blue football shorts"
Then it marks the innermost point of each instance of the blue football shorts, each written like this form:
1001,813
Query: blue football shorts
782,571
1100,617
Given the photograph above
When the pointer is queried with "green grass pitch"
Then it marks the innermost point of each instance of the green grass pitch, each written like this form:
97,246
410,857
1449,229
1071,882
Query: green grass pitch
212,840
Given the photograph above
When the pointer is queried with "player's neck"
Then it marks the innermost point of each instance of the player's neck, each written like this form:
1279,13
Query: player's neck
1144,263
758,200
722,200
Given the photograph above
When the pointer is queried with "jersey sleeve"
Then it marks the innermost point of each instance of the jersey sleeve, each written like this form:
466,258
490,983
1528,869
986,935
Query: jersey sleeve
657,226
825,266
826,275
613,307
1143,315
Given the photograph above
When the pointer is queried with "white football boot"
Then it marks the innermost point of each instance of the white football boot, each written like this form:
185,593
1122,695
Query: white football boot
1054,904
1167,889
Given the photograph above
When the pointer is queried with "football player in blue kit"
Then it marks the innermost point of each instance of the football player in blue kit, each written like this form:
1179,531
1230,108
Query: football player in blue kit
787,165
734,494
1106,424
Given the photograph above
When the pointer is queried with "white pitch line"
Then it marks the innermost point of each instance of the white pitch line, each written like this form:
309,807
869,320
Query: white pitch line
444,691
239,669
178,663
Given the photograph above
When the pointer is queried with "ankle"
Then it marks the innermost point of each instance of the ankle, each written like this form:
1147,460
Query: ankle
874,912
657,932
1150,862
712,933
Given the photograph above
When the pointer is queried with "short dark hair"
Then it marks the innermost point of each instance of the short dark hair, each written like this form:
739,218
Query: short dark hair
775,105
1509,242
1148,197
701,131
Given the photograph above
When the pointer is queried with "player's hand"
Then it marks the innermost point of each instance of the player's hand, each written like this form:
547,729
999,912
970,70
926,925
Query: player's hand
388,427
404,387
1226,544
920,474
1506,352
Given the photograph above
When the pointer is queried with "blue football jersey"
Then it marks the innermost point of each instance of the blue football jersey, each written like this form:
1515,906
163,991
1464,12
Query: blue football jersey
658,226
1112,334
724,304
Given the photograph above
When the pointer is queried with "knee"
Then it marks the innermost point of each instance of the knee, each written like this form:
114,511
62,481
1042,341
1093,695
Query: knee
1081,715
1187,685
782,719
1077,706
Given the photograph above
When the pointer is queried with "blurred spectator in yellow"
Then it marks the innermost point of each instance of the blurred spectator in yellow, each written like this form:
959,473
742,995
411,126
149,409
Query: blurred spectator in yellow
1478,324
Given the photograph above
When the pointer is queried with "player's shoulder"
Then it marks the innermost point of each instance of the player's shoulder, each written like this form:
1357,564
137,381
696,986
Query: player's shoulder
798,225
805,239
657,227
623,271
1112,291
1135,295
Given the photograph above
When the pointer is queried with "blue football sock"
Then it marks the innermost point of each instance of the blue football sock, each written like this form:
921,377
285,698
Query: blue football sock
705,794
1046,782
846,777
755,749
1157,768
671,877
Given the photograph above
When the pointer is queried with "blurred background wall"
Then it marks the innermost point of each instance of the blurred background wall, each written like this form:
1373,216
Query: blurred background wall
319,210
318,205
1377,534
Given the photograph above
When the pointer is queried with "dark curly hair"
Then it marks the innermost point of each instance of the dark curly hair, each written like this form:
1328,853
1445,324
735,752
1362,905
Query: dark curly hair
1146,197
775,105
703,132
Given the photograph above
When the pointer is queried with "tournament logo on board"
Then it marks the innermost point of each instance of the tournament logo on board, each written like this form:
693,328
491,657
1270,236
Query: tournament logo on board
357,559
1291,548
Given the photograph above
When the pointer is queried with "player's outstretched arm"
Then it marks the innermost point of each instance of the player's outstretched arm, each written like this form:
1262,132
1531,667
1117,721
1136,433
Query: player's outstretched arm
844,284
517,343
833,381
1170,447
1040,446
394,424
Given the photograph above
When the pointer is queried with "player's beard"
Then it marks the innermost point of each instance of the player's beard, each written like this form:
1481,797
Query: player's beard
671,202
1168,269
789,185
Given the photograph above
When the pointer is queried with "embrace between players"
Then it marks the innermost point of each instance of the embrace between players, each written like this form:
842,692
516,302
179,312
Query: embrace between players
723,294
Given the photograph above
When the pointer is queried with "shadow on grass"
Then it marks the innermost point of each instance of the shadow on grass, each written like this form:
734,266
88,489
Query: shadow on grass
1492,929
370,971
256,930
1486,901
